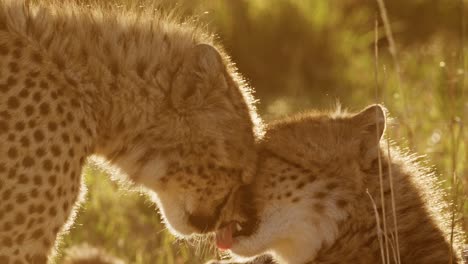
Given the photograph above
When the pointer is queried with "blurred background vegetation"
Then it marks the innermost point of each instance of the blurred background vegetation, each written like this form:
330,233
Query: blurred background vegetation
301,54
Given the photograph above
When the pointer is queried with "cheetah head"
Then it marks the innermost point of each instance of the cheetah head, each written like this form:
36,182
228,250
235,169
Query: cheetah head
199,149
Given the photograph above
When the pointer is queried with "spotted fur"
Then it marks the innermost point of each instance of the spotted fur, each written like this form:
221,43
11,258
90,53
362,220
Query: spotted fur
317,174
152,96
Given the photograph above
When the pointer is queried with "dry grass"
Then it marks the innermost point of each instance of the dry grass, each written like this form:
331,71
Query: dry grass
456,138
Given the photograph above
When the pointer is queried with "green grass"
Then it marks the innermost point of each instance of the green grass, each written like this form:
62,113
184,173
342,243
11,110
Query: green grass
307,54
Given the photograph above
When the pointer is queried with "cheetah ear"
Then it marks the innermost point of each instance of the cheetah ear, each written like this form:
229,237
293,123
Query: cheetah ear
202,73
370,123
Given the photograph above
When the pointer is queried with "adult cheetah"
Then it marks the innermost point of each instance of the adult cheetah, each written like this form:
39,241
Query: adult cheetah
317,176
153,96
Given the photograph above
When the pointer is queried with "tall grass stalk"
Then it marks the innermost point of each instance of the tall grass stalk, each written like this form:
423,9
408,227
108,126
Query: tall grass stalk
392,193
393,52
456,132
379,229
395,244
382,195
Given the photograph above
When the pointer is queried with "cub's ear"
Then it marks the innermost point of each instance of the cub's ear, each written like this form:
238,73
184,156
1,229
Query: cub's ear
370,125
202,72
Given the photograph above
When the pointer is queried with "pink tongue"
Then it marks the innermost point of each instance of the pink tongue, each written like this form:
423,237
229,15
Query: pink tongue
224,237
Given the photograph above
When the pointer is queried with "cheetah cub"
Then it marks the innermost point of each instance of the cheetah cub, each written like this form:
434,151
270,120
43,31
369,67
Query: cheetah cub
314,194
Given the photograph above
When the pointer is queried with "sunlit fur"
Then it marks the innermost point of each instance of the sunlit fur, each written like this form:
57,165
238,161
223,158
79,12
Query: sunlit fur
315,170
151,94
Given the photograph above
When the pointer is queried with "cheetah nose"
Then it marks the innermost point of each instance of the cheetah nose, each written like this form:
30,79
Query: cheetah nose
203,223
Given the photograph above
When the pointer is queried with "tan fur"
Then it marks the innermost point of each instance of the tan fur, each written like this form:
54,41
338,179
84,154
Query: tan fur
154,97
311,195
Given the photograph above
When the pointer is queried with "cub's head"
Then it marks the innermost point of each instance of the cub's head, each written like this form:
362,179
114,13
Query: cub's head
198,149
301,155
327,138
